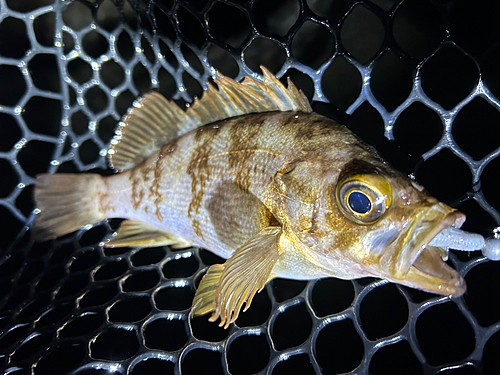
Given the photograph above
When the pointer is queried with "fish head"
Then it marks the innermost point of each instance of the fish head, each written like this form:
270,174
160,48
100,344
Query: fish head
382,222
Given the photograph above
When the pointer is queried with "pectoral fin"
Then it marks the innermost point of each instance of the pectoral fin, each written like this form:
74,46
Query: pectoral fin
225,288
138,233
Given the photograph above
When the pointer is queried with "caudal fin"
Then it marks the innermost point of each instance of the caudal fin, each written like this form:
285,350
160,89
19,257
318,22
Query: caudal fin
66,203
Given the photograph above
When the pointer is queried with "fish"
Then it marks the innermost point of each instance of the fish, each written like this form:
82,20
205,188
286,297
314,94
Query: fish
252,174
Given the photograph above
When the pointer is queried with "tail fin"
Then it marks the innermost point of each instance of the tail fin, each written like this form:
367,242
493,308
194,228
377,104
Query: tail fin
66,203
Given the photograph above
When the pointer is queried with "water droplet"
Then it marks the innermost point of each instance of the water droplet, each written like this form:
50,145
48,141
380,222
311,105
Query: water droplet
54,162
36,211
138,49
22,142
74,145
180,283
172,316
92,126
21,185
102,152
73,54
95,66
18,110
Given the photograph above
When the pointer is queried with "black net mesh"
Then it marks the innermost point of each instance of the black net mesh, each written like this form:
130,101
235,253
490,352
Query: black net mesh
416,79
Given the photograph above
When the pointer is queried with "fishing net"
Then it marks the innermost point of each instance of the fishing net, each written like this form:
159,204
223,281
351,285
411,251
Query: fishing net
416,79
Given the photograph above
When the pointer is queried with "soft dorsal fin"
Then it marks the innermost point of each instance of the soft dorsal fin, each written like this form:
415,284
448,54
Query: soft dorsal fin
153,121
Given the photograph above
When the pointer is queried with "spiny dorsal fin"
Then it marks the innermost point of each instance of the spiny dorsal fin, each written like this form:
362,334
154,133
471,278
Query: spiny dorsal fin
153,121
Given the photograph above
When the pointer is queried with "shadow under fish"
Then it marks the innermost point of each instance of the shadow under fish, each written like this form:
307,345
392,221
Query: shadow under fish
251,174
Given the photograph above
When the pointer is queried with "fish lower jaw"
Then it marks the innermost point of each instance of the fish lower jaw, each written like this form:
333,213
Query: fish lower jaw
454,287
431,274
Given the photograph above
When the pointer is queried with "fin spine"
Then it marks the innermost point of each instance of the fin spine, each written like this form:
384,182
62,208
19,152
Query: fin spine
153,121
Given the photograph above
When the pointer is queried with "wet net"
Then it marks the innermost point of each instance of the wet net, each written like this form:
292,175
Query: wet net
416,79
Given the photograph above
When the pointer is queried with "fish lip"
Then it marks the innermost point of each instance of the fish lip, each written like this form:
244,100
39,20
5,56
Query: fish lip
419,265
427,225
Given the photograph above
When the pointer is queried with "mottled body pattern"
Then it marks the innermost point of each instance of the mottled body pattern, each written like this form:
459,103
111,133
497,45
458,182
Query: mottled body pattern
214,181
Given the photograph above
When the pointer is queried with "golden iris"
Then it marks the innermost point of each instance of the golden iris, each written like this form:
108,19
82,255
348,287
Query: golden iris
364,198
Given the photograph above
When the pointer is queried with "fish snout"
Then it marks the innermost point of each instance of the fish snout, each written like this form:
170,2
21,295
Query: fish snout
414,260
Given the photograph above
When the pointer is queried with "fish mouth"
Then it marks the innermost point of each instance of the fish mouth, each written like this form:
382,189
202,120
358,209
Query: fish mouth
418,263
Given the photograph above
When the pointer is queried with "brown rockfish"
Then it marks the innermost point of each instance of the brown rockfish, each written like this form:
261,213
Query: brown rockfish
251,174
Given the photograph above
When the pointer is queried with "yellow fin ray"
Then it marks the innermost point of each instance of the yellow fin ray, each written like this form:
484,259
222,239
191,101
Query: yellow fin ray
150,123
153,121
138,233
242,276
203,302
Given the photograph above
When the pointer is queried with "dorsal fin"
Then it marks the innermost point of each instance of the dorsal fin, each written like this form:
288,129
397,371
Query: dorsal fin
153,121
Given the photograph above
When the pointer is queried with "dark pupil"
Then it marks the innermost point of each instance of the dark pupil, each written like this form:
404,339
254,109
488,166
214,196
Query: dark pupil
359,202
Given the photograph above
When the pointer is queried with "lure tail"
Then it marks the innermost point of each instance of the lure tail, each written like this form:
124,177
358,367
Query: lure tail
66,203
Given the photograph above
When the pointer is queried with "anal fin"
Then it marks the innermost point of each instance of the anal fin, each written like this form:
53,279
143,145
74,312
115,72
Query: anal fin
225,288
138,233
203,302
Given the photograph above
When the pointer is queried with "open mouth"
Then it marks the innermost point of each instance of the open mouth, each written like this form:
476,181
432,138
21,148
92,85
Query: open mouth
421,261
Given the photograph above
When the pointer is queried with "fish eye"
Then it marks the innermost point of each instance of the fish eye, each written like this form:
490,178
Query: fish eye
359,202
364,198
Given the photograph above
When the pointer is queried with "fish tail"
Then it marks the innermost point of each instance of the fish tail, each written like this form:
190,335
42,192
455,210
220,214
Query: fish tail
204,299
66,203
